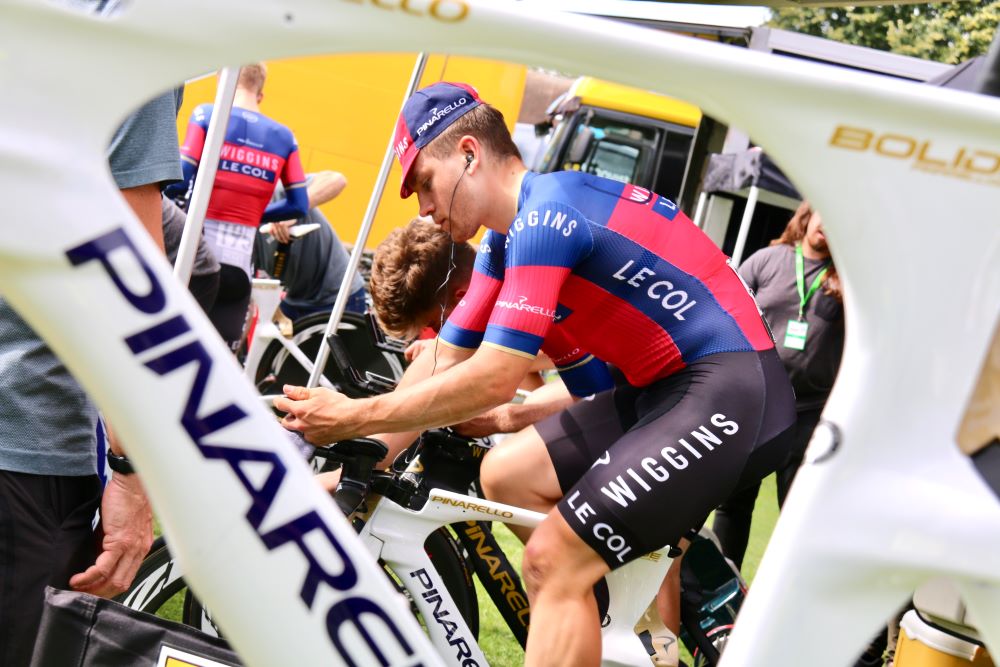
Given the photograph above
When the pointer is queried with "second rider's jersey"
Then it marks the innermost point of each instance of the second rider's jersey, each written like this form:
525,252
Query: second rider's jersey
592,267
256,154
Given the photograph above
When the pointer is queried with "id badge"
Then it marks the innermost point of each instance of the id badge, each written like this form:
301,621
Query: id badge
795,334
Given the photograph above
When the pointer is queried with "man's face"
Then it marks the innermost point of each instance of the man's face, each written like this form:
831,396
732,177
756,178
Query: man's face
815,236
434,181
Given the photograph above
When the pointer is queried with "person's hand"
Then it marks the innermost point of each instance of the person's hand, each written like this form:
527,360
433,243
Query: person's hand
414,349
281,231
490,422
125,532
321,415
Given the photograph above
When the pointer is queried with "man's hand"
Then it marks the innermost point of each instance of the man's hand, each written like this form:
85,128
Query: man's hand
281,231
321,415
416,348
126,533
490,422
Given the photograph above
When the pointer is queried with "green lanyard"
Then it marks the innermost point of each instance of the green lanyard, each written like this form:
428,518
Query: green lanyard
800,280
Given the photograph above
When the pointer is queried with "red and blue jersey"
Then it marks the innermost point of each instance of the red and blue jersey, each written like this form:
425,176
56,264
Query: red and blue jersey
621,275
257,151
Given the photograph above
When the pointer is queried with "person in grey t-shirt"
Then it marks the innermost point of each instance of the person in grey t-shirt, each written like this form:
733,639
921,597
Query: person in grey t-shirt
806,317
49,488
316,262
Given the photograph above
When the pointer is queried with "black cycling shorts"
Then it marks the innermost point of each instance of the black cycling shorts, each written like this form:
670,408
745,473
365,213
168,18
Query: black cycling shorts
639,467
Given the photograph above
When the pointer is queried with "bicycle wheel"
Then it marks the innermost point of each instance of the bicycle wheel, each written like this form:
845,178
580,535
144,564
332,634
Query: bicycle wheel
277,367
157,581
445,554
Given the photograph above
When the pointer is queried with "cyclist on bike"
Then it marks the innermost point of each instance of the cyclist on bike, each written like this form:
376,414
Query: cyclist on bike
594,269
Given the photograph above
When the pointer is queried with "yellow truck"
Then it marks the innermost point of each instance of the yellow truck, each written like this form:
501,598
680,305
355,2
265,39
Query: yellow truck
621,133
343,111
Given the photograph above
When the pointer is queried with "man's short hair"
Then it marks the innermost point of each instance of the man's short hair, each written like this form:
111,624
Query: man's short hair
408,271
252,77
485,123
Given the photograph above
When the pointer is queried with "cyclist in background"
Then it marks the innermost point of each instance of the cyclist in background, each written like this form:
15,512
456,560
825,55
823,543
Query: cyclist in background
256,154
589,269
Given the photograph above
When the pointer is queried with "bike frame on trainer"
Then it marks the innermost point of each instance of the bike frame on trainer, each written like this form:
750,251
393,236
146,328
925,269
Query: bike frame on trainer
397,535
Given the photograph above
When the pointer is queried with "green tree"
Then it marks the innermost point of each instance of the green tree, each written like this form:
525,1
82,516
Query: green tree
949,32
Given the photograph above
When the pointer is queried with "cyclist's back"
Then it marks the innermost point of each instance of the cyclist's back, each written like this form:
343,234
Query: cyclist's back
256,154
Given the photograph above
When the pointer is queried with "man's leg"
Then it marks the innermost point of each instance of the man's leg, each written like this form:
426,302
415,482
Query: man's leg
45,536
519,472
560,571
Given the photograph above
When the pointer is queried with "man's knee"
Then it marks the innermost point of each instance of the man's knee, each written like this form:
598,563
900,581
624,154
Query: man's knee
557,559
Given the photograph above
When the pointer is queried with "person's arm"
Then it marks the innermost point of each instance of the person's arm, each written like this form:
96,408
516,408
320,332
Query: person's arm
296,201
145,203
125,533
543,402
487,379
325,186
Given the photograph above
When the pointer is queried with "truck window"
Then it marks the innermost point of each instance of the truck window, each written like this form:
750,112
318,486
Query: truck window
673,161
615,149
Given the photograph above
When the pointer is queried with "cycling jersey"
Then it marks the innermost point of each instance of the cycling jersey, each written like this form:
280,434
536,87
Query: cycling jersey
257,152
622,275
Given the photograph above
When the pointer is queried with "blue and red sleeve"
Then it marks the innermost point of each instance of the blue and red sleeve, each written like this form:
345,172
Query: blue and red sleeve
194,144
467,323
296,202
544,243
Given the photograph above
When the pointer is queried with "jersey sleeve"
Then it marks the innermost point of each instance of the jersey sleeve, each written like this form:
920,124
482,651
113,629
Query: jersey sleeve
544,243
191,150
467,323
581,372
296,202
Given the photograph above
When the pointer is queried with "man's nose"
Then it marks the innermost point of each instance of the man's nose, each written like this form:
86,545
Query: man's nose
426,208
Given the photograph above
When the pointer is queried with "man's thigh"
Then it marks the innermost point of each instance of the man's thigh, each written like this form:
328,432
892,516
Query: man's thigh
580,435
681,460
523,457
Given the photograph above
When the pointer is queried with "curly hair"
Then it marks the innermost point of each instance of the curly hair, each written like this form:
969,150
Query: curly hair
793,234
408,271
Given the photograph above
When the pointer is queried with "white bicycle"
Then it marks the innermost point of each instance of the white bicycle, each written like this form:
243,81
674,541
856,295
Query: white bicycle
894,489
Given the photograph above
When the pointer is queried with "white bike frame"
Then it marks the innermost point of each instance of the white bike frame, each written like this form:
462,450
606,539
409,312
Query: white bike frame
266,295
397,535
906,177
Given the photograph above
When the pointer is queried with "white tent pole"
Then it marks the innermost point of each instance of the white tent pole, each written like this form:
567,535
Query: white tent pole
699,211
341,303
205,178
741,238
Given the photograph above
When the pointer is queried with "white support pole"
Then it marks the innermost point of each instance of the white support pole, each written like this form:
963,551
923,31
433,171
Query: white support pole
741,237
699,210
352,268
205,178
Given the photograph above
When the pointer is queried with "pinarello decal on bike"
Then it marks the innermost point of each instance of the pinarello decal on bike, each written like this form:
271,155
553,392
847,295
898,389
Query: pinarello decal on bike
164,348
